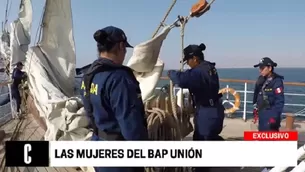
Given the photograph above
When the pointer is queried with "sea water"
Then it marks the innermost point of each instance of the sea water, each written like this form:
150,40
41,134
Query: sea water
297,103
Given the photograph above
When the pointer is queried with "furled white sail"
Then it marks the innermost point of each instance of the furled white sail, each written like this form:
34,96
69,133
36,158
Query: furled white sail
20,35
5,51
51,73
146,64
5,110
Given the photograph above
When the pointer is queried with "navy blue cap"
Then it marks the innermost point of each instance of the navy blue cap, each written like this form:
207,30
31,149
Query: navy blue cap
19,64
266,61
193,50
116,35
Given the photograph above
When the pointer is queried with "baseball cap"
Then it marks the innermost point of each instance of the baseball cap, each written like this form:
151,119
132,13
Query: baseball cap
116,35
19,64
193,50
266,61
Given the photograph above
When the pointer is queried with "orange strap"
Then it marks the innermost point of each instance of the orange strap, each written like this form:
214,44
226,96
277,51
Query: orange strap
197,8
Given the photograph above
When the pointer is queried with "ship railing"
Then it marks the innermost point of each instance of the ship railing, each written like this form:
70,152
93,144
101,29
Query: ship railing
247,104
245,107
5,109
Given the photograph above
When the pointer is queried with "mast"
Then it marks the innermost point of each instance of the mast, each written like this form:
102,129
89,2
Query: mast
5,17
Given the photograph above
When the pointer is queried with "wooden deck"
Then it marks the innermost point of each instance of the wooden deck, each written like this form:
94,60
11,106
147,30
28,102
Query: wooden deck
30,130
25,129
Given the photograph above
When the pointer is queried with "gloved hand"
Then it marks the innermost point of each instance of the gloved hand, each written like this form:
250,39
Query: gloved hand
255,113
272,121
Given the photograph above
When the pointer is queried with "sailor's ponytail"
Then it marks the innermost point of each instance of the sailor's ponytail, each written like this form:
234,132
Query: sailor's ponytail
103,42
100,37
202,46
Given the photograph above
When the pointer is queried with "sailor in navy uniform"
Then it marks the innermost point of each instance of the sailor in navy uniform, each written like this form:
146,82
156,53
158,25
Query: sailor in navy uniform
17,76
112,96
270,98
203,84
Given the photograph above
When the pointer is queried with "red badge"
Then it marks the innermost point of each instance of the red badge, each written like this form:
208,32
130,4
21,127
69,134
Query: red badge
278,90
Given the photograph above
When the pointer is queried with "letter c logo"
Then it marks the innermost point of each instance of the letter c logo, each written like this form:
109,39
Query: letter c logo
27,149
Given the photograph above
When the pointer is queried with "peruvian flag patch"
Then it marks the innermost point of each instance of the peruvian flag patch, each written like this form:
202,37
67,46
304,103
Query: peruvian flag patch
278,90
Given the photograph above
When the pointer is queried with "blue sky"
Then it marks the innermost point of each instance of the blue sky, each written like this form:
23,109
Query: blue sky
237,32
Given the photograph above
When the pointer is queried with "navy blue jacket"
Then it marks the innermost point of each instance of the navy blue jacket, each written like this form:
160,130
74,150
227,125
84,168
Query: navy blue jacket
202,82
17,76
258,85
117,104
274,91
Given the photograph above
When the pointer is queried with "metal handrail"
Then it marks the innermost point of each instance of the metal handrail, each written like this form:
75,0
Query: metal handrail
246,92
247,81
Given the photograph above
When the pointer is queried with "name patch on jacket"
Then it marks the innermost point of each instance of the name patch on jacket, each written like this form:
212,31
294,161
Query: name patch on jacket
268,89
93,88
212,72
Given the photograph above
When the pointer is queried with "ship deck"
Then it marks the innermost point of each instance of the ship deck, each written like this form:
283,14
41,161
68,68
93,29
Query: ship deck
28,129
25,129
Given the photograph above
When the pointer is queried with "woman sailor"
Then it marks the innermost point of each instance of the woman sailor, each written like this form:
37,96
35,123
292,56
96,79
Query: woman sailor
270,97
112,96
203,84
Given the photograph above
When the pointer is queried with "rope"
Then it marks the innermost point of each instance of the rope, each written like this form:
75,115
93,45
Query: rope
165,17
183,23
164,120
6,13
161,124
172,90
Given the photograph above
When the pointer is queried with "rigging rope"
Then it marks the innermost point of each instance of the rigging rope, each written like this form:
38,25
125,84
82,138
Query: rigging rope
6,14
181,119
165,17
183,21
157,113
164,122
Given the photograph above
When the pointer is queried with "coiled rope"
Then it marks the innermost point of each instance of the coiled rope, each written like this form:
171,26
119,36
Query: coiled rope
162,122
157,109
